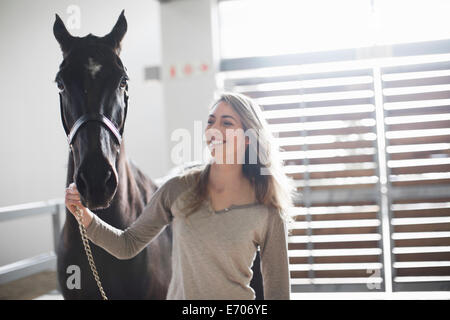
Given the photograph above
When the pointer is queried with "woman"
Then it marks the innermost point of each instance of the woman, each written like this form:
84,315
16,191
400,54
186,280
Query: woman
220,212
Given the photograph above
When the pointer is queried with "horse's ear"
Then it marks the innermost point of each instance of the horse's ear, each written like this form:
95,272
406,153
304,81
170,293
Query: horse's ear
61,34
117,33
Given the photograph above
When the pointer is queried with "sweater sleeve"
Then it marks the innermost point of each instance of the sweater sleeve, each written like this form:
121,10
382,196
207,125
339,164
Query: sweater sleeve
274,260
126,244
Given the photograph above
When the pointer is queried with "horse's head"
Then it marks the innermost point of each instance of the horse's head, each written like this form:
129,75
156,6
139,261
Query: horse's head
92,82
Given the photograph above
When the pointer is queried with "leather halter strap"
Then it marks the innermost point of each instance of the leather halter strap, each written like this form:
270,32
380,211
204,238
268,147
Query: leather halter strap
94,117
102,119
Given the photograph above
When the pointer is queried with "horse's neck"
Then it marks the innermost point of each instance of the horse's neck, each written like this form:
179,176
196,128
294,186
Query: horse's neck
133,191
131,194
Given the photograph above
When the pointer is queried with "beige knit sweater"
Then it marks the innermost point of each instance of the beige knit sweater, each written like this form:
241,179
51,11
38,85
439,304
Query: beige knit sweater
213,251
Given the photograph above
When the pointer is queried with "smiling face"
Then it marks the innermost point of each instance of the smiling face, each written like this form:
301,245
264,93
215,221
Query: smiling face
225,135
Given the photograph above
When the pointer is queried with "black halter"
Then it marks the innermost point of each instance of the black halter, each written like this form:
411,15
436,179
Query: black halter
117,133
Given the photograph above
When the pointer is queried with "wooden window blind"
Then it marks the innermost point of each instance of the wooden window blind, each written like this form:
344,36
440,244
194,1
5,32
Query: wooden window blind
417,121
365,134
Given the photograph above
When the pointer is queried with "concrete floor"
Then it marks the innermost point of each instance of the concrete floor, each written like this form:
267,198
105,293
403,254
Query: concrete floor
40,286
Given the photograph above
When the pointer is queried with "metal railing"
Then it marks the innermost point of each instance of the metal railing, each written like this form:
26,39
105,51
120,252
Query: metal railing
41,262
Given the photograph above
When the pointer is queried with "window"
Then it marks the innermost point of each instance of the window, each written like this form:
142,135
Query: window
365,134
270,27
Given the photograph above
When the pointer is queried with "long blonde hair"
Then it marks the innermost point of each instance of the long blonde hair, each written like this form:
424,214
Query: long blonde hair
272,188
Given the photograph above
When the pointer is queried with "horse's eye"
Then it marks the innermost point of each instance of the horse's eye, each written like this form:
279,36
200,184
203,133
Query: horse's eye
60,86
123,83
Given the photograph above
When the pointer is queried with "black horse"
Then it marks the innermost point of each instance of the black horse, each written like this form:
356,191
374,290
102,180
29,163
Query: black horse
93,81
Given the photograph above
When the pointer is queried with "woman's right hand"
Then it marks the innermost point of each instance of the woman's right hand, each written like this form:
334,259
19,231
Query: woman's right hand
72,201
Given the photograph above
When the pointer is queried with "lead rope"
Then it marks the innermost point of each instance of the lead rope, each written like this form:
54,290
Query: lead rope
88,251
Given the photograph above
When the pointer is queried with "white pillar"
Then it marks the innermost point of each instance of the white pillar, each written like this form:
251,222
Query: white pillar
190,61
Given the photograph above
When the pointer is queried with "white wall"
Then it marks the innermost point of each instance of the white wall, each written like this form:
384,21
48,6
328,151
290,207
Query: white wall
33,146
